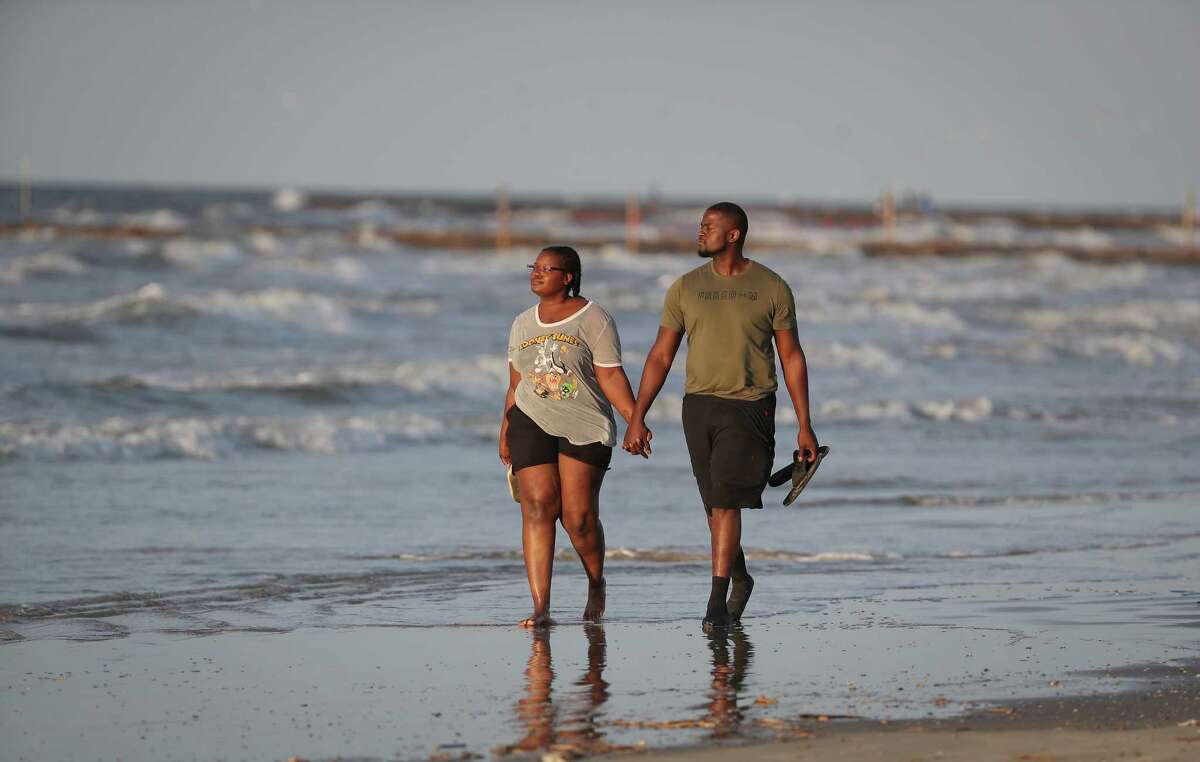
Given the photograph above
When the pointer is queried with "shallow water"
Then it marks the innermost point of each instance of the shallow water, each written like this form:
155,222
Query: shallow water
248,433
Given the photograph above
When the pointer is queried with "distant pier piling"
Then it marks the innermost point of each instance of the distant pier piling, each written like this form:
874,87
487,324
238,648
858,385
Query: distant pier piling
887,215
1188,218
26,194
633,223
503,219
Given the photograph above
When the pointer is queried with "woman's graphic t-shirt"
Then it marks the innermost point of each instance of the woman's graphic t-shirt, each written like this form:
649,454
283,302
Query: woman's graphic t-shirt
558,387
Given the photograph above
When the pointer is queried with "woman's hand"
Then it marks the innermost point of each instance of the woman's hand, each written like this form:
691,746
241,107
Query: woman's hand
637,439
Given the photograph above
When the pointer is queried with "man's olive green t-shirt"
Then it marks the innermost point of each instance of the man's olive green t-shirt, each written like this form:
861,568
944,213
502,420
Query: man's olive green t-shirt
730,323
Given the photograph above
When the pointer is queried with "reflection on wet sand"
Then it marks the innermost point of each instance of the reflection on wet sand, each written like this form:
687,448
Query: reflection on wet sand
724,714
569,725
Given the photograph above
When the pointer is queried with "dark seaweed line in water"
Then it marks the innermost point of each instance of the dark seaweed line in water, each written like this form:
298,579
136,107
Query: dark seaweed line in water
353,588
690,556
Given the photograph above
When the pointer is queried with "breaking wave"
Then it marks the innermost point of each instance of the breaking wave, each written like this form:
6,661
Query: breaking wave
207,439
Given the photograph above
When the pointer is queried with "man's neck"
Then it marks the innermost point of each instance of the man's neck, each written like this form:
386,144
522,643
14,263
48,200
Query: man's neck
730,262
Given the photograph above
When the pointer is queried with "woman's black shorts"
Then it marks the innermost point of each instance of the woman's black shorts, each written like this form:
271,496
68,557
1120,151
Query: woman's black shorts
528,445
732,446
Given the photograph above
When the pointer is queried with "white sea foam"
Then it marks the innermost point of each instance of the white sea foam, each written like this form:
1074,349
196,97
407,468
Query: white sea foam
1134,315
971,410
206,439
194,254
1066,275
668,408
1142,349
165,220
484,374
1083,238
47,264
338,268
290,306
865,357
875,305
288,200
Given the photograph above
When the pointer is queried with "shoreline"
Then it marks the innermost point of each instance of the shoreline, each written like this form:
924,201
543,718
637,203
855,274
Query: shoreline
1158,719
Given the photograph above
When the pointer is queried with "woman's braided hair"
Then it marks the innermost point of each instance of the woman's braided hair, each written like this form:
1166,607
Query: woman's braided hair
568,259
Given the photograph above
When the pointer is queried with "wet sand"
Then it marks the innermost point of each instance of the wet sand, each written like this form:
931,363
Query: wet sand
1159,720
821,681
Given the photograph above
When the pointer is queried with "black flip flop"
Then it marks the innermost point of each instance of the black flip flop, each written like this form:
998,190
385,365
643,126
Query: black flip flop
799,471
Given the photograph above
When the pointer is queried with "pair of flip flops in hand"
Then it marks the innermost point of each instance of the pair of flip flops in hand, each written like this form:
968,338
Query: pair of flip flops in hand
799,471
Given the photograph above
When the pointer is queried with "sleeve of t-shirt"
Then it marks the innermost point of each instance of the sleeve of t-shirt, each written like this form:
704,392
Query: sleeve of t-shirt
784,318
512,343
606,348
672,316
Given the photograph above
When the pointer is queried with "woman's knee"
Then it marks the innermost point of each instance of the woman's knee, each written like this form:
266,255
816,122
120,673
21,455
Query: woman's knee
582,524
542,505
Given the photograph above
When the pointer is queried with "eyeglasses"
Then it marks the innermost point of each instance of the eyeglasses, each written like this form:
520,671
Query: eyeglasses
547,269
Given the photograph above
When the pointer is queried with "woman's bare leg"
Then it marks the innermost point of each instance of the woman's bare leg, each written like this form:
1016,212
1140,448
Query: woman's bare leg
541,508
580,492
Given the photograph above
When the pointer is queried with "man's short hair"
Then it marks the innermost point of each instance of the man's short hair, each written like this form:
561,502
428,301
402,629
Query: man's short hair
736,215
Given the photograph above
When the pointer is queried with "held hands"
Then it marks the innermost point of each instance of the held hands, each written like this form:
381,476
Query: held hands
806,442
637,439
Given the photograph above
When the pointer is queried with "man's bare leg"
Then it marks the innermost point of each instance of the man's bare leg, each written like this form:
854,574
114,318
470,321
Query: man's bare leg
725,531
540,509
581,518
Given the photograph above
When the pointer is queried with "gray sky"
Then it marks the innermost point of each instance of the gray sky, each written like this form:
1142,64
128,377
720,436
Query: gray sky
1059,102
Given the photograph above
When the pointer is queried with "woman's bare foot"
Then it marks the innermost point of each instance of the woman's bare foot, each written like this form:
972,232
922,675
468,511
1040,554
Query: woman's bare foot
538,620
594,611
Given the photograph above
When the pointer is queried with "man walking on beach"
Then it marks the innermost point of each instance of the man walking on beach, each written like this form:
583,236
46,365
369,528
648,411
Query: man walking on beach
731,309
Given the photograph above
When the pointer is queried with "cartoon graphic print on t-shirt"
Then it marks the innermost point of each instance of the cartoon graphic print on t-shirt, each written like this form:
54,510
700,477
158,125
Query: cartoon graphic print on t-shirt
550,377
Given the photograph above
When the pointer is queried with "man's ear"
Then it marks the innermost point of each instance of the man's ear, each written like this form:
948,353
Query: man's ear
735,235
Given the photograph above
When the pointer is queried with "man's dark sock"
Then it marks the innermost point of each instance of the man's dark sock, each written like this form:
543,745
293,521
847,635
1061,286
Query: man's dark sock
717,614
741,587
739,596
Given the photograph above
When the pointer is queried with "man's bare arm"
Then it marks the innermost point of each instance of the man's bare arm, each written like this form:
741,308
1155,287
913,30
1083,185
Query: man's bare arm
654,374
795,377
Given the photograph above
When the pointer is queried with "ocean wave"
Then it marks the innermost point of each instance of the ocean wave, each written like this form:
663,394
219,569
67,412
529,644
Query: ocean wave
1069,275
194,254
972,410
208,439
878,306
668,408
648,555
485,374
1126,316
152,304
1144,350
49,264
865,357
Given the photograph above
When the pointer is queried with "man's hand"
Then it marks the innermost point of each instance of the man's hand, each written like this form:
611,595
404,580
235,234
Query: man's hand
637,439
505,458
806,443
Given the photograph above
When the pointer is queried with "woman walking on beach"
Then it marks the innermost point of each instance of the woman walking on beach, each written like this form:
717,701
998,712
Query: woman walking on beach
565,377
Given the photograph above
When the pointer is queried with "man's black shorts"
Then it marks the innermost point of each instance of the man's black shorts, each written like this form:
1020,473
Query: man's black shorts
732,446
528,445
